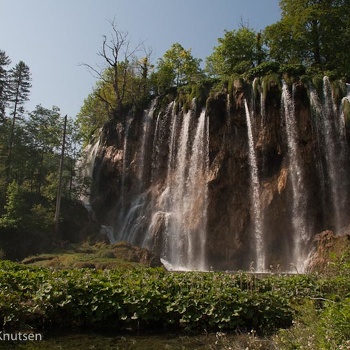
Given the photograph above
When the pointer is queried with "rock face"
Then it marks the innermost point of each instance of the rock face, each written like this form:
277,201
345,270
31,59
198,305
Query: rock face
329,251
180,182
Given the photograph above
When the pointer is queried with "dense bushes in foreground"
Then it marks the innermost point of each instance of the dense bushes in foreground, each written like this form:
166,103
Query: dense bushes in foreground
139,298
155,299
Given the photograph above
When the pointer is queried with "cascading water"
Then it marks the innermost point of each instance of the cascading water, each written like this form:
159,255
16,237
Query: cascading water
85,168
144,156
330,129
186,197
125,163
300,237
155,189
255,197
316,110
178,206
135,220
196,199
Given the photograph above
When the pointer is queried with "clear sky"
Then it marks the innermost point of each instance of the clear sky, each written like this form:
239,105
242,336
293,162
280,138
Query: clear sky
53,37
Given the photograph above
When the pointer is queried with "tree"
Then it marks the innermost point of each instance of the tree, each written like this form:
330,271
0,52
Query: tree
14,208
238,51
19,89
122,67
4,127
312,32
4,62
43,129
177,67
93,114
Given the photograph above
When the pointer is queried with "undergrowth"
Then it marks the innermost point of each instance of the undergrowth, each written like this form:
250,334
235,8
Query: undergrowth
290,312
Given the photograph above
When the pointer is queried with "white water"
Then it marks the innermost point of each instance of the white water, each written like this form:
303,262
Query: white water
85,168
197,192
134,219
175,230
300,236
255,197
125,158
183,203
168,203
316,109
330,128
145,142
173,214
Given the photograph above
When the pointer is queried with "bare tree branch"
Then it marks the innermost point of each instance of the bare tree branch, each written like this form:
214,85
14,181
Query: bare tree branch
119,56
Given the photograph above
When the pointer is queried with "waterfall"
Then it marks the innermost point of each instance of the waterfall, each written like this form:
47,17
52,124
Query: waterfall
125,163
85,168
330,128
267,193
186,193
134,220
169,214
255,197
197,193
316,110
145,144
300,236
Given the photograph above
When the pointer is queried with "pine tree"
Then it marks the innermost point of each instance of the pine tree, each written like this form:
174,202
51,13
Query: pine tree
19,89
4,61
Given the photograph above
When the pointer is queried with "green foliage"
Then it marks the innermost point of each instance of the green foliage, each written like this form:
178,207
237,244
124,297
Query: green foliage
93,114
14,207
335,325
4,62
318,328
142,298
323,317
265,68
308,33
238,51
338,89
23,211
18,87
292,70
197,92
18,93
177,68
271,81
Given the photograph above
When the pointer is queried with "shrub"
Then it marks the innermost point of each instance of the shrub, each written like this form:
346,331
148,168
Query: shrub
263,69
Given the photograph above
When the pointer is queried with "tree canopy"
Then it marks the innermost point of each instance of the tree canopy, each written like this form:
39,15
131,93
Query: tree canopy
238,51
30,146
177,68
315,33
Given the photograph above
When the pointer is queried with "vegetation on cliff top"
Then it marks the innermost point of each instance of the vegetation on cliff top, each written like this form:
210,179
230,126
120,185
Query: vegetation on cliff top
310,39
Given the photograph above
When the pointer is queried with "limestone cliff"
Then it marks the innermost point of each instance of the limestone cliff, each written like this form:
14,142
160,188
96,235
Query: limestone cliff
179,181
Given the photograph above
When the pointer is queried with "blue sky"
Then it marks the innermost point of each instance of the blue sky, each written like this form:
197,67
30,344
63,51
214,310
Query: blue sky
53,37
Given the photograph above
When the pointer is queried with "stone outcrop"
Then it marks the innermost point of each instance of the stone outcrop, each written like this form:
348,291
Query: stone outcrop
329,249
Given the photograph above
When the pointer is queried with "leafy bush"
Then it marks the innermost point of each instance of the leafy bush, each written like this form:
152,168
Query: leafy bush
292,70
335,325
139,298
144,298
263,69
270,81
317,328
322,318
